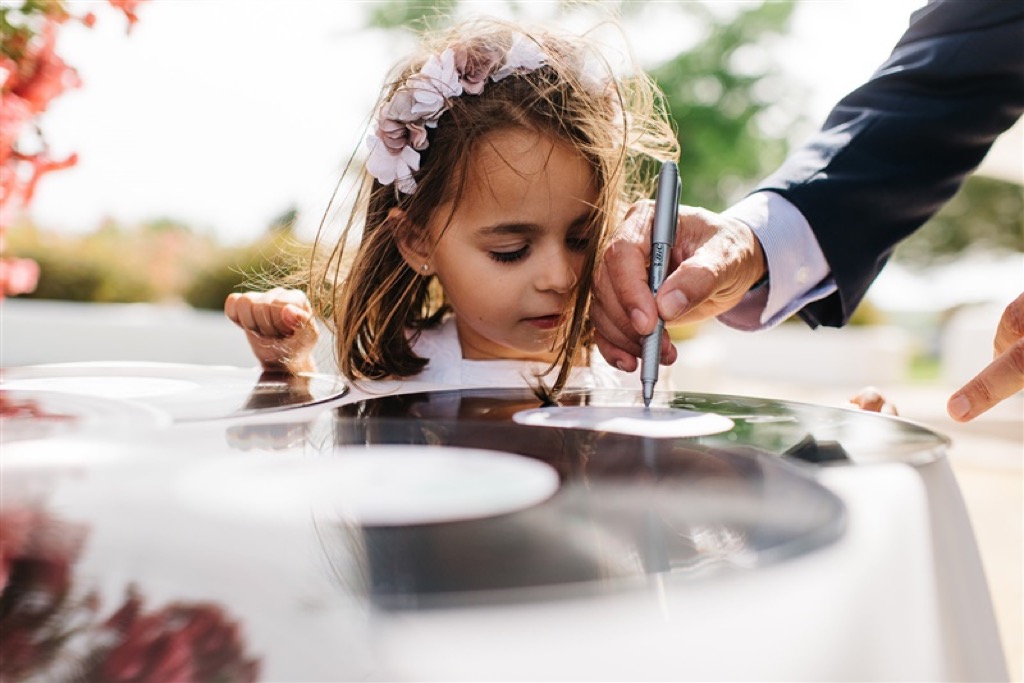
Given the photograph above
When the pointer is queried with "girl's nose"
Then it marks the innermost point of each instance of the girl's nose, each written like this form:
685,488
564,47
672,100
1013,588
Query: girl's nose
558,273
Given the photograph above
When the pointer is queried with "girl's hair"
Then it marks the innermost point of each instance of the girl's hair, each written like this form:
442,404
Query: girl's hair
375,303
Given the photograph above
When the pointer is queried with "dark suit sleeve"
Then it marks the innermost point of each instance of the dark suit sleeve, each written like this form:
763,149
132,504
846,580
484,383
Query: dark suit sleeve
895,150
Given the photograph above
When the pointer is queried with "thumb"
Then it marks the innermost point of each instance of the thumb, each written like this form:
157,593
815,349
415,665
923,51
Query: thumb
685,289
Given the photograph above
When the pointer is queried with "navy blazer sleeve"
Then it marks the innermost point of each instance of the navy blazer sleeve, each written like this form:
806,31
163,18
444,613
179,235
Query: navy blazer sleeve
893,151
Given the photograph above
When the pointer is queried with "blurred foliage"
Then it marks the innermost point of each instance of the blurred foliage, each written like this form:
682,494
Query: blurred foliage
275,259
159,261
986,214
717,97
109,265
411,14
865,315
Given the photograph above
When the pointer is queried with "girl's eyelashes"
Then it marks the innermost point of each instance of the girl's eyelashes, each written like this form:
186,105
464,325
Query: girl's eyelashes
509,256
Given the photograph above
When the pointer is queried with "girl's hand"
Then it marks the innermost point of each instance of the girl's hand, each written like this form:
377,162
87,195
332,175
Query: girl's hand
279,326
870,400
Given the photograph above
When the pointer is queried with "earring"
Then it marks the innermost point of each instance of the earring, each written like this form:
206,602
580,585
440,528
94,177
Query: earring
424,267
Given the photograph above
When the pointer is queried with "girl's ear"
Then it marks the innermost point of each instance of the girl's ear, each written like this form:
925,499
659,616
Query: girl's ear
412,241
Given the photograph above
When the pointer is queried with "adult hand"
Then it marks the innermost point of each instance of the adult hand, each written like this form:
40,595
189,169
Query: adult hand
1003,377
279,326
714,262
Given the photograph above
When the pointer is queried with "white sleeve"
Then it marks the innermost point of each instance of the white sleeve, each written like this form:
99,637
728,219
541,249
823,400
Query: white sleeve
797,271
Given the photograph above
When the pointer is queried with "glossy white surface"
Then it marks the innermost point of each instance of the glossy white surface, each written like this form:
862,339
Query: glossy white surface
372,486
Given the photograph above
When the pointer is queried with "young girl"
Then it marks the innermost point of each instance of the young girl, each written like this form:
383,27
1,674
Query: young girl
498,160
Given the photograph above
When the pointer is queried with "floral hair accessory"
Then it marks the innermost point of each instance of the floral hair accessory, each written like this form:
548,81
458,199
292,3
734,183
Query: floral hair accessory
416,105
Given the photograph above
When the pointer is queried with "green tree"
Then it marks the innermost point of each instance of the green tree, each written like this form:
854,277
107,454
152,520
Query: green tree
986,214
718,94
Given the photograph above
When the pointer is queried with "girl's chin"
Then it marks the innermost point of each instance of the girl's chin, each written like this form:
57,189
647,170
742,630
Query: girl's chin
523,344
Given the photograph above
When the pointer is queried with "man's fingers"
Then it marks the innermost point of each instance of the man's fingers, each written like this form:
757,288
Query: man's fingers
1003,378
668,349
608,315
615,336
1011,325
625,268
627,362
615,356
689,286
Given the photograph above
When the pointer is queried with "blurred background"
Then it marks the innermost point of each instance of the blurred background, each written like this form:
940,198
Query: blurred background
159,153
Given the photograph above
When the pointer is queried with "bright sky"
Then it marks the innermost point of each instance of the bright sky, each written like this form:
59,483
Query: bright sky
223,113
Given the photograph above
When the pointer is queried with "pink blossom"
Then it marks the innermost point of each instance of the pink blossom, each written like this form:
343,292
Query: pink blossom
17,276
436,82
129,8
523,55
41,165
418,104
48,76
8,72
475,65
389,166
15,113
181,642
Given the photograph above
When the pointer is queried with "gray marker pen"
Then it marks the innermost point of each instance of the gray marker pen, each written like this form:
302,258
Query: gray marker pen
663,235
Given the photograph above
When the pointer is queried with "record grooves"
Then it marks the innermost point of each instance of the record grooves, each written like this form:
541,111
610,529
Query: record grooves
627,506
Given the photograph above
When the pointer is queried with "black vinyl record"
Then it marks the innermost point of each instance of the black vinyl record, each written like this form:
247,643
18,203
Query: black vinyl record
627,506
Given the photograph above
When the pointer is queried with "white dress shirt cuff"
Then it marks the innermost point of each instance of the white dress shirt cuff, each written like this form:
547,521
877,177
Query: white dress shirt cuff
797,270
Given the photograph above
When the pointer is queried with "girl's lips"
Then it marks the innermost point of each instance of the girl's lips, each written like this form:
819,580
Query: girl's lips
545,322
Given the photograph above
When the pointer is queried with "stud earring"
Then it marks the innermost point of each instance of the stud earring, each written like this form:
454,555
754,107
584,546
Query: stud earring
424,267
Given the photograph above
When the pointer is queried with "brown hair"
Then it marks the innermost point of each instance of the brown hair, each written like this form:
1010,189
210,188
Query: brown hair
374,302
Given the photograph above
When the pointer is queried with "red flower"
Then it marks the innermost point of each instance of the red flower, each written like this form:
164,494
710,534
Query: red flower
36,556
128,7
47,75
48,627
17,276
181,642
32,74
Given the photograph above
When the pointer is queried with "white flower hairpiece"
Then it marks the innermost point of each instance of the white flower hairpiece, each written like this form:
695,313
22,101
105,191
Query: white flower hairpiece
417,105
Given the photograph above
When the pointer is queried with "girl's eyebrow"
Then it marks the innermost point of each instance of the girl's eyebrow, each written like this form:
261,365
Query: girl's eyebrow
509,229
527,228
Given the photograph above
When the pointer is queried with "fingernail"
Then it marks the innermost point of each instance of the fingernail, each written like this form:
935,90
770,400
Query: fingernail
621,365
639,319
959,406
674,304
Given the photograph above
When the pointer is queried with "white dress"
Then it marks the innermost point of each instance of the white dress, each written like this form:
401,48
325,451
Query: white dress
447,366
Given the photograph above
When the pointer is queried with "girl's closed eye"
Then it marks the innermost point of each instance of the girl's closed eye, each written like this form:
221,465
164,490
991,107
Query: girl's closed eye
510,256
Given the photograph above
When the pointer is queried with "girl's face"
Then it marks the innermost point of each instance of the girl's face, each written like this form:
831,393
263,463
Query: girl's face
515,246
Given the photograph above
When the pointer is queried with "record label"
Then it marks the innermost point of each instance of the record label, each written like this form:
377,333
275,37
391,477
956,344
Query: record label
656,423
